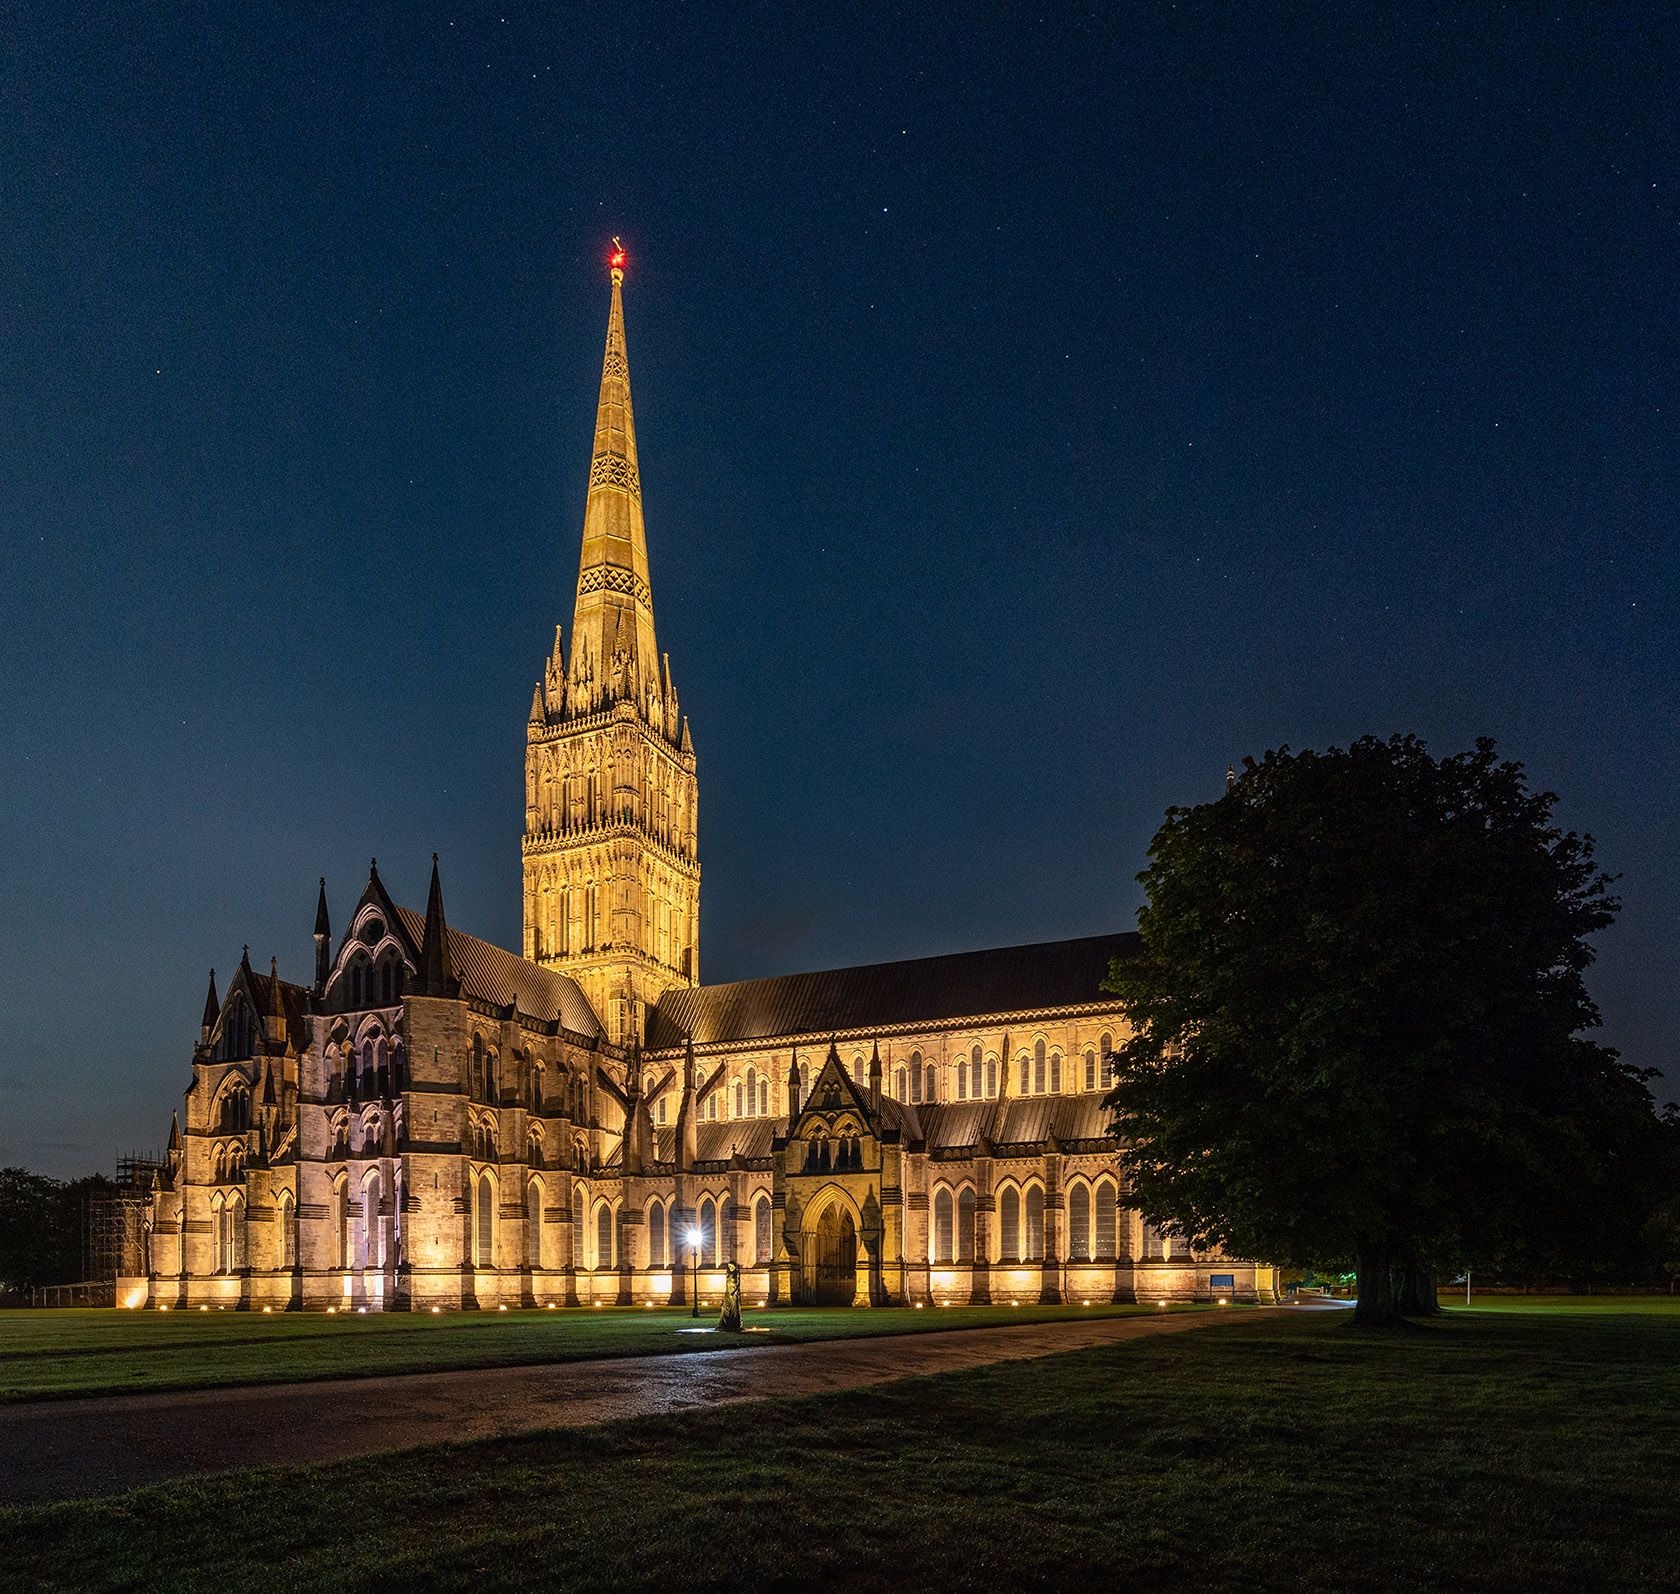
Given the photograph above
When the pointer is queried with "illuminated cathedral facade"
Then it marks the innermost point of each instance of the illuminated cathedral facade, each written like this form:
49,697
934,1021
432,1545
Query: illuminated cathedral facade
435,1122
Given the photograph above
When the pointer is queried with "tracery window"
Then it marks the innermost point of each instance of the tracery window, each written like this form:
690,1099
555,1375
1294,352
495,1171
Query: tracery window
708,1230
942,1225
1079,1223
656,1234
763,1247
486,1221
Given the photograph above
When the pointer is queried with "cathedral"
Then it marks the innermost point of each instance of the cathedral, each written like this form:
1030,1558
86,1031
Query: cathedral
436,1123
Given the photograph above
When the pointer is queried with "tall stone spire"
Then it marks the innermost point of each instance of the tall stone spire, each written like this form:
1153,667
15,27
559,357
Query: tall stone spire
614,655
612,872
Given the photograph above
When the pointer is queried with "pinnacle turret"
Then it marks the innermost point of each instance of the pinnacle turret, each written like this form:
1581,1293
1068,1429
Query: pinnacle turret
436,972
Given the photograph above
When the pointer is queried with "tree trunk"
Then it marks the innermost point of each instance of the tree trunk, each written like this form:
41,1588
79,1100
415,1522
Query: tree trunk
1417,1291
1377,1306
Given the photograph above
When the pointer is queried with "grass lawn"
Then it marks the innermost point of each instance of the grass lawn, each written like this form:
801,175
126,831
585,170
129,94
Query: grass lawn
45,1354
1505,1450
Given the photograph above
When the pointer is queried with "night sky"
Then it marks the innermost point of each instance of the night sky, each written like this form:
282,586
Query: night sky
1037,412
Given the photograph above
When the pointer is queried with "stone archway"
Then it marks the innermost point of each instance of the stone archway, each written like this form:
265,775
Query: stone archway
833,1277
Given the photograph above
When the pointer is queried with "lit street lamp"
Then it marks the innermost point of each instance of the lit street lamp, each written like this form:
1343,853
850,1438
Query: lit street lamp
694,1251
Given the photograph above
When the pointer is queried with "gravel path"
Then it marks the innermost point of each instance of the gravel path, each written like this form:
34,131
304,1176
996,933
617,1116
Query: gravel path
63,1449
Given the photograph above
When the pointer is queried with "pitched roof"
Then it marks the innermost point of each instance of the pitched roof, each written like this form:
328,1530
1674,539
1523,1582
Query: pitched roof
499,979
1010,979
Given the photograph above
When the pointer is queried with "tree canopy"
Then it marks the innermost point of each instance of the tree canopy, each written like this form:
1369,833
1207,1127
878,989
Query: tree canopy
1359,1015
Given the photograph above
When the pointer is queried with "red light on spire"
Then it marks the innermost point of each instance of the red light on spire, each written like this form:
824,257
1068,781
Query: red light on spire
616,258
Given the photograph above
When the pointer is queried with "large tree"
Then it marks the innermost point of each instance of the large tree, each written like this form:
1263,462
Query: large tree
1359,1015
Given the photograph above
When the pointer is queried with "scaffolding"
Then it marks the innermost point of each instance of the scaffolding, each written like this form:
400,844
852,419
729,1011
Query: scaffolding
115,1228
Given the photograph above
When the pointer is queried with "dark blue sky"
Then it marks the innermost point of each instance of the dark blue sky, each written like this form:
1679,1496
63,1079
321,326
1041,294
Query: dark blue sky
1036,413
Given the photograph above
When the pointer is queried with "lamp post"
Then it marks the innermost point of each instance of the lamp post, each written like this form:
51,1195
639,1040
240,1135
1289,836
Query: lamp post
694,1253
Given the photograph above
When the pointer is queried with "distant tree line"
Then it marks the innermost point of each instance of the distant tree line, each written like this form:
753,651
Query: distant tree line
1361,1033
45,1228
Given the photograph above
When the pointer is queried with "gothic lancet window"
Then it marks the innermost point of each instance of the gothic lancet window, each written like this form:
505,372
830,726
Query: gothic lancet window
1079,1223
1055,1073
726,1231
486,1215
1035,1224
708,1230
1009,1216
533,1223
656,1234
1038,1068
942,1225
1090,1069
965,1226
916,1077
763,1249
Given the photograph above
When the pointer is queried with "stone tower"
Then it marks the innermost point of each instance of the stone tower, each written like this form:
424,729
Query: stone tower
612,875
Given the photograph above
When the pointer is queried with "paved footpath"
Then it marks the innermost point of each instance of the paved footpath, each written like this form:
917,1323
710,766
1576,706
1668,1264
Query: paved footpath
62,1449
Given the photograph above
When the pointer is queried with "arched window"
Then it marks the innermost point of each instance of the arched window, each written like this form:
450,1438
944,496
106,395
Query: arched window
902,1093
603,1235
1025,1072
218,1235
1090,1069
288,1230
1055,1073
236,1231
533,1223
1107,1047
399,1069
1079,1223
991,1077
533,1148
356,983
1035,1223
916,1077
764,1098
492,1076
371,1250
965,1226
385,985
486,1221
739,1111
763,1247
726,1231
930,1091
656,1234
662,1111
1038,1068
537,1087
942,1226
577,1226
962,1079
752,1090
478,1067
341,1223
1151,1242
708,1230
1009,1211
1107,1208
